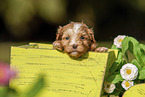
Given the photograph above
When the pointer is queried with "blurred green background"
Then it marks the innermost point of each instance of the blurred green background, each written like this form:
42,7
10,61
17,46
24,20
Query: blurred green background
23,21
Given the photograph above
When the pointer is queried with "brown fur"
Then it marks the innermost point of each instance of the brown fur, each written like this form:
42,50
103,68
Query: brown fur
79,42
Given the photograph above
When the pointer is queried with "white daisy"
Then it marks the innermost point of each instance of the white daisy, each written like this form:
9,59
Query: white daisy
108,87
127,84
118,40
129,71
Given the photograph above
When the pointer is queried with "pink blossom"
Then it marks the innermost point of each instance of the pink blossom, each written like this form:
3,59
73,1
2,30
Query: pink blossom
5,74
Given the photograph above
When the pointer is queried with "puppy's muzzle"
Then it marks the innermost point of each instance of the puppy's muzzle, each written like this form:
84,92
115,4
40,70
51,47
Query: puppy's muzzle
75,46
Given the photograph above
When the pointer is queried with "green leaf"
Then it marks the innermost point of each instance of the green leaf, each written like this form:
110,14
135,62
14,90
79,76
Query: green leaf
142,53
143,68
125,45
12,93
142,47
140,56
131,44
113,47
136,63
142,73
36,88
119,57
122,62
117,66
114,78
114,67
134,47
3,91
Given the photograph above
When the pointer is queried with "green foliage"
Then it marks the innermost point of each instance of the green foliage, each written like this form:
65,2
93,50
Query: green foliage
135,62
142,48
118,63
129,44
115,78
3,91
113,47
32,92
142,73
114,67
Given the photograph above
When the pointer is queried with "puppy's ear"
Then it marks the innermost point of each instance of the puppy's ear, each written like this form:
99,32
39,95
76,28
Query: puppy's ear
57,44
59,33
93,41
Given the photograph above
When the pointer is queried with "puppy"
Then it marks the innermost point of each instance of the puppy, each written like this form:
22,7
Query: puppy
76,39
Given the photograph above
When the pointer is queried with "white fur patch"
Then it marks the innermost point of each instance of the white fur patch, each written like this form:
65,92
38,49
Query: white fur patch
76,27
75,30
73,40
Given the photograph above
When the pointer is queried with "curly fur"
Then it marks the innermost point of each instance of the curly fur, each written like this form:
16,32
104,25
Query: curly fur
75,39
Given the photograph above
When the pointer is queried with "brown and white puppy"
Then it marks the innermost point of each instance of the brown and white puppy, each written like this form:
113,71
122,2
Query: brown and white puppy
75,39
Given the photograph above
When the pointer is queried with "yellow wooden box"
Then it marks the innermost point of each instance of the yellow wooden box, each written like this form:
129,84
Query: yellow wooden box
65,77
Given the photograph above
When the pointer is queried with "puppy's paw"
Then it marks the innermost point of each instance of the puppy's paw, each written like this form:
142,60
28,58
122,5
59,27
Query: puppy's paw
101,49
57,45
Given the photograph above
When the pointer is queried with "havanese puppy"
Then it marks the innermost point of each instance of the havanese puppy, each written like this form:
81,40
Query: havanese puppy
76,39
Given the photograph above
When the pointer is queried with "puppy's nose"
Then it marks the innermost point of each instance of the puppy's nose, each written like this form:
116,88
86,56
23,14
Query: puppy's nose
75,46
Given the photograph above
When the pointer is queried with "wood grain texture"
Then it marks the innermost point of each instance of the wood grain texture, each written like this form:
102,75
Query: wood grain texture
65,77
135,91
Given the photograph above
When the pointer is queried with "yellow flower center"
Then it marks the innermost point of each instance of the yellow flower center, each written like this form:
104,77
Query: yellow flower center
1,74
128,71
120,40
127,84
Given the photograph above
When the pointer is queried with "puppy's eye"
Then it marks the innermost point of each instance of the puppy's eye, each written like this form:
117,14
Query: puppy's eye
67,38
82,37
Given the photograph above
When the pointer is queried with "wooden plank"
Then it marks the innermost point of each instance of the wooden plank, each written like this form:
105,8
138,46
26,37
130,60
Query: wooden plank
65,77
135,91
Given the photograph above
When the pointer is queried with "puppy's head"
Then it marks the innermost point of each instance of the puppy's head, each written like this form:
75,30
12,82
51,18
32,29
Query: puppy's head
76,39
